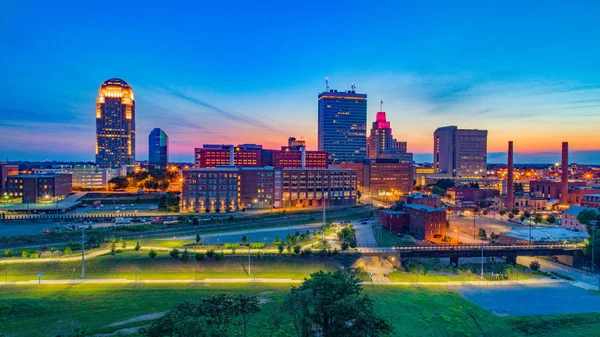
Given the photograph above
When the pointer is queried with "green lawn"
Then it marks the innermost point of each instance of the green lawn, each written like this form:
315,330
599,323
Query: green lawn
137,265
52,310
400,276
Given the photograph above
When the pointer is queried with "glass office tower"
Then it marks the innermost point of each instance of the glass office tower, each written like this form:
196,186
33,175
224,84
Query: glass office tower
343,125
158,149
115,125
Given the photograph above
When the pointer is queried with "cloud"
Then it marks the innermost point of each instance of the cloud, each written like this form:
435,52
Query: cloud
238,117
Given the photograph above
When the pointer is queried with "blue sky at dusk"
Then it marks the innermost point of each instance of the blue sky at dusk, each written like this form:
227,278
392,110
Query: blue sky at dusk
249,72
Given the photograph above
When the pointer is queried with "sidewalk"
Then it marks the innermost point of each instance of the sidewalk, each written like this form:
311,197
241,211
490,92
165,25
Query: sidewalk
279,281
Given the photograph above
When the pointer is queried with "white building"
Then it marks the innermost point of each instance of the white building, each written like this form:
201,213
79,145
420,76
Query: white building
569,218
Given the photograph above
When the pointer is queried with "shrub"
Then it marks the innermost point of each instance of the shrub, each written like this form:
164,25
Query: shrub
199,257
345,245
307,252
210,254
280,249
25,253
46,254
185,257
137,246
297,249
34,256
57,253
534,265
152,254
174,253
68,250
8,253
257,245
219,256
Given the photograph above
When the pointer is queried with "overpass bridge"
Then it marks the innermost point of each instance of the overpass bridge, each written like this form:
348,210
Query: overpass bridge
507,252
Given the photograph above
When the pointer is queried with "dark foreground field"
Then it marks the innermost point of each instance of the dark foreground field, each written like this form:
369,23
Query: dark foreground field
52,310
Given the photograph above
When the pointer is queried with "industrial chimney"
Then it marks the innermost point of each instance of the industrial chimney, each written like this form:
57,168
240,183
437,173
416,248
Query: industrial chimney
564,184
510,182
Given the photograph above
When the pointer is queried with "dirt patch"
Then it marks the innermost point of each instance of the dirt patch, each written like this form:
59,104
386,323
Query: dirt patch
146,317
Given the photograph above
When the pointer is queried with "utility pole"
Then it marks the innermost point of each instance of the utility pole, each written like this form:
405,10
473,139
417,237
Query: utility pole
82,253
249,254
324,217
594,227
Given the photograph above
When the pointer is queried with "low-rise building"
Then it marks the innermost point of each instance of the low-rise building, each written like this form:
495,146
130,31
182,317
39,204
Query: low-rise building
6,170
431,200
425,223
541,235
34,188
394,221
461,194
569,218
591,200
211,189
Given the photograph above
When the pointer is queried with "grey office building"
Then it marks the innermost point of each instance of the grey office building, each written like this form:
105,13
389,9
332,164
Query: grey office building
115,125
343,125
460,152
158,149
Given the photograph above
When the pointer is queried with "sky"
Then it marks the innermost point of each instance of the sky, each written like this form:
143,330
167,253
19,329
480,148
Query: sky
249,72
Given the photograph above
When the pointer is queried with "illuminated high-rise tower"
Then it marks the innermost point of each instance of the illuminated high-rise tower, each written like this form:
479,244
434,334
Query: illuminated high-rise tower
115,124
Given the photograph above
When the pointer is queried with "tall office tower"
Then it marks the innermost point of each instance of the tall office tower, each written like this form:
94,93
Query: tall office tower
158,149
460,152
115,125
343,125
381,142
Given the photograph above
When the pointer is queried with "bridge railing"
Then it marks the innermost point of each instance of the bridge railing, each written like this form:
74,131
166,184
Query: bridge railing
469,247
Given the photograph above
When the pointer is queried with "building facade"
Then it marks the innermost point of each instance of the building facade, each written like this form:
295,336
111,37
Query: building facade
394,221
115,125
342,130
158,149
244,155
569,218
460,152
6,170
552,188
426,223
34,188
382,144
211,190
591,200
312,187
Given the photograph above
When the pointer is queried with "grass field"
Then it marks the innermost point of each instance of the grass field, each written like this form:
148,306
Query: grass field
133,265
52,310
400,276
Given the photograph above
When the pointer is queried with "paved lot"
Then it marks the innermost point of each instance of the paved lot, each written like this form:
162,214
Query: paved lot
531,300
364,235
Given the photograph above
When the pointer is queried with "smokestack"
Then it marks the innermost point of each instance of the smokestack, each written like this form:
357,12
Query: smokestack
564,193
231,152
510,182
303,148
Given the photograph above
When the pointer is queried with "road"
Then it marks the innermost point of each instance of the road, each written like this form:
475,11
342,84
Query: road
265,235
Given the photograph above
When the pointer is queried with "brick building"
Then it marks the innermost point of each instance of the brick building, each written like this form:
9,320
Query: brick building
383,177
591,200
551,188
34,188
394,221
6,170
425,223
461,194
211,190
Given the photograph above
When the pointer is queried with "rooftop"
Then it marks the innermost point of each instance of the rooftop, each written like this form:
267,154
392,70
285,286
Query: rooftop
32,176
424,208
575,210
389,211
547,234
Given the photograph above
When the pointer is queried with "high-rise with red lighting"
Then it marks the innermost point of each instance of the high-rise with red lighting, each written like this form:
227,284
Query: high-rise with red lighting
381,142
564,194
510,192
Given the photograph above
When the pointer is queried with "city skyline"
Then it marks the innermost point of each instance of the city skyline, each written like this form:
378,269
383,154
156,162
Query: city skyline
516,85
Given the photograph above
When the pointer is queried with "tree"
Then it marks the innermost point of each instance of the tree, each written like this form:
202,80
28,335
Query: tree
163,185
137,246
502,212
280,248
537,218
515,211
174,253
476,209
169,199
551,219
511,216
67,251
198,238
439,191
210,253
244,239
297,249
484,212
527,214
245,307
219,257
195,221
444,183
523,217
587,216
276,240
119,183
482,234
199,256
124,244
185,256
534,265
333,304
152,254
210,317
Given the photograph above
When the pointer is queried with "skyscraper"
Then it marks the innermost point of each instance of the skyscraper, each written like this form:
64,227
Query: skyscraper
460,152
382,144
115,125
343,125
158,149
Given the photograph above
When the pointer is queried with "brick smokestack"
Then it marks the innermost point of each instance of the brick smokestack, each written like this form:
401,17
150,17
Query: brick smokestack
564,184
510,192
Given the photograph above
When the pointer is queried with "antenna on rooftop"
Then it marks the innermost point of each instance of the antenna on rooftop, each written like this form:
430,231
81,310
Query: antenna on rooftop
326,84
381,106
353,87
